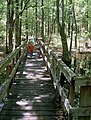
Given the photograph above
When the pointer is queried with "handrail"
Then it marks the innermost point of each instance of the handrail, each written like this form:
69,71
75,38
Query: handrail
10,57
69,74
56,66
15,59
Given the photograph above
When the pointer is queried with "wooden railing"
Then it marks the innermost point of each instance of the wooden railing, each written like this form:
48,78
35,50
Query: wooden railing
8,67
75,93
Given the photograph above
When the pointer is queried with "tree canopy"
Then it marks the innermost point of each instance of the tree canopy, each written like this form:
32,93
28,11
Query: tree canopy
68,18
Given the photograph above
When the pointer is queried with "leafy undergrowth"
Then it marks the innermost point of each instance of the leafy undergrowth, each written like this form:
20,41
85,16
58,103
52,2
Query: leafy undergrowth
2,52
82,54
3,77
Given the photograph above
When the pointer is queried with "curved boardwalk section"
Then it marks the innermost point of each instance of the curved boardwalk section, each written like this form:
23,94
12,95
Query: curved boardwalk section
32,96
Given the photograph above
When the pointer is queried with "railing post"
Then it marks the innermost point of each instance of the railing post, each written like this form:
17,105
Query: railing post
72,92
85,100
71,96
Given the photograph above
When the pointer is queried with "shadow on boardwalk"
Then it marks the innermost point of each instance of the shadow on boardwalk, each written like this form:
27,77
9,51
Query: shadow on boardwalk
32,96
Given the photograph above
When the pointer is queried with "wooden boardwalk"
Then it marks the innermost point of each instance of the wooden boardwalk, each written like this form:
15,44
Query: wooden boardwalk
32,96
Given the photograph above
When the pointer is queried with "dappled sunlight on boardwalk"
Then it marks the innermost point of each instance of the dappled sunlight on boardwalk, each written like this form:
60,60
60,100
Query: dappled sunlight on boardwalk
32,95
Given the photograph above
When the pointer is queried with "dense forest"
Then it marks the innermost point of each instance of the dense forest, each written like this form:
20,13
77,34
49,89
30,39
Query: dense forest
69,19
62,33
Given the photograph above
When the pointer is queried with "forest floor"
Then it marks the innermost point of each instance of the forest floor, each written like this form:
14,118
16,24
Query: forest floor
56,46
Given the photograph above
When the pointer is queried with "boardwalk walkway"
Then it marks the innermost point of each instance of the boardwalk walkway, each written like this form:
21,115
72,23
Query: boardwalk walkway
32,96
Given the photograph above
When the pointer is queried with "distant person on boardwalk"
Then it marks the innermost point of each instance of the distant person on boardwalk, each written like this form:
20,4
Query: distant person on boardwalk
31,44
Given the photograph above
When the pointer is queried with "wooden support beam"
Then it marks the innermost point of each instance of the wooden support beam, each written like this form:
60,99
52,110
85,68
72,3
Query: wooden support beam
5,86
83,81
58,66
85,100
80,111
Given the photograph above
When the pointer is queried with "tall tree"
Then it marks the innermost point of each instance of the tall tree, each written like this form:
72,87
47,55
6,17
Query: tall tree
9,25
36,19
42,30
17,22
75,21
20,24
66,55
26,22
48,19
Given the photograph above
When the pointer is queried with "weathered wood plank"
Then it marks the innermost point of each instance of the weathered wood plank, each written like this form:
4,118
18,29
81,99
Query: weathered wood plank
80,111
8,59
6,84
83,81
85,99
30,117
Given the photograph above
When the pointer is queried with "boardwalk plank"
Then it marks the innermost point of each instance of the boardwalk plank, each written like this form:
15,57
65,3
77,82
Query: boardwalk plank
32,95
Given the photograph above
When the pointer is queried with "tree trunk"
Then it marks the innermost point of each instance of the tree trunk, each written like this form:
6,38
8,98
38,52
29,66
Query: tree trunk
71,40
66,54
20,24
48,23
53,20
42,30
9,25
17,23
36,20
69,18
26,23
75,26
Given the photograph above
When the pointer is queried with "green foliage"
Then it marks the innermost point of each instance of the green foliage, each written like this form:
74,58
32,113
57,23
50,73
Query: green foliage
82,10
2,17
